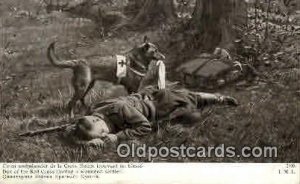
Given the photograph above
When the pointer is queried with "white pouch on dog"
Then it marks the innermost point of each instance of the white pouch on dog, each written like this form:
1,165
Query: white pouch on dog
161,74
121,66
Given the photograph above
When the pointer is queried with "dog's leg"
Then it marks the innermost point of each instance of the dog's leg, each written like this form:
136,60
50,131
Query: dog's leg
80,83
83,102
79,95
71,104
91,85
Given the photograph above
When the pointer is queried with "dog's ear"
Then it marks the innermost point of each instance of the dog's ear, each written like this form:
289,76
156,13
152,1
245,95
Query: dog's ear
146,39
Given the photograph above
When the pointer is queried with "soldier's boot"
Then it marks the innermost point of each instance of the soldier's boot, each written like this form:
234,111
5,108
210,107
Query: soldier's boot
228,100
210,99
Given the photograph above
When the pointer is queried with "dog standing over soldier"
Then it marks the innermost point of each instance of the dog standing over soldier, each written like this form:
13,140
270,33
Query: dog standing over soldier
131,71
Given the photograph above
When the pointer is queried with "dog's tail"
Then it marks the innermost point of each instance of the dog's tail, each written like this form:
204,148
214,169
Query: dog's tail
55,61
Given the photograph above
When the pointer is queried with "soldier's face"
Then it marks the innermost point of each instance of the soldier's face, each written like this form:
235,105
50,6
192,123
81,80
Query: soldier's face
91,127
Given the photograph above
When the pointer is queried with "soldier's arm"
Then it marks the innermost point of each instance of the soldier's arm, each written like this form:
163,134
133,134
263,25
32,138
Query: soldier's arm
140,126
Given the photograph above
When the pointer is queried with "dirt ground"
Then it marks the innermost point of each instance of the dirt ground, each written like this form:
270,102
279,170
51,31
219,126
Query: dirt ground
34,95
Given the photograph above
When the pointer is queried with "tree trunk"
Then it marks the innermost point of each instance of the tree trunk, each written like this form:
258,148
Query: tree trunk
213,22
155,12
197,14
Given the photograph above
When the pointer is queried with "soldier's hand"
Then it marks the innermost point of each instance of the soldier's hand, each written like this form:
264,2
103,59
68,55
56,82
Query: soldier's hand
228,100
110,141
97,143
110,138
222,53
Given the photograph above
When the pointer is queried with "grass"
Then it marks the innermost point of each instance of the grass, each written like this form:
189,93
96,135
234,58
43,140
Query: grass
34,95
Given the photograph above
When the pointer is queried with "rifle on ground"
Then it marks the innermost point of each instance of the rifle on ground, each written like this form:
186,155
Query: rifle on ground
46,130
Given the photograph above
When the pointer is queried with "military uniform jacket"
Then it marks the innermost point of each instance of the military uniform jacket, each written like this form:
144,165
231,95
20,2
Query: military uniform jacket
132,116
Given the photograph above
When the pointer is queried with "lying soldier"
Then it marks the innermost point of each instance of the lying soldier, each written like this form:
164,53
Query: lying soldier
123,118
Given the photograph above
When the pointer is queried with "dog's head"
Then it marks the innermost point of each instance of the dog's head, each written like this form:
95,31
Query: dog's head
148,51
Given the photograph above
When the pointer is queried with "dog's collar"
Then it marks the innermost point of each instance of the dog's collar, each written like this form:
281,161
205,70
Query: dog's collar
128,64
132,58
